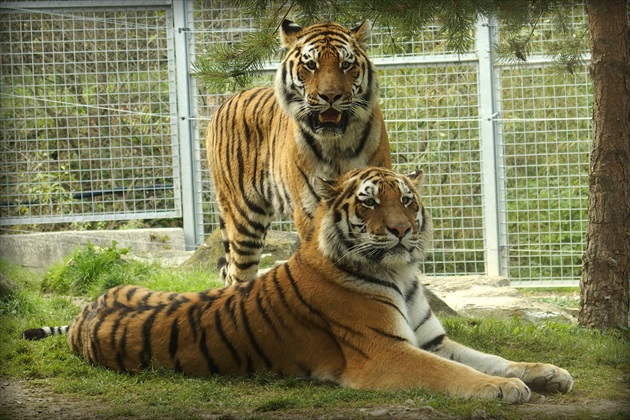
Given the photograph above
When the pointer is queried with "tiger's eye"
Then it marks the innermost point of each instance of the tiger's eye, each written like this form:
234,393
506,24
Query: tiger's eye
346,65
311,65
370,202
405,201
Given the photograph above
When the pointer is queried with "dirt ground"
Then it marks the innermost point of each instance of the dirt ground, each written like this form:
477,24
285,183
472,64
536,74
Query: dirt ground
19,400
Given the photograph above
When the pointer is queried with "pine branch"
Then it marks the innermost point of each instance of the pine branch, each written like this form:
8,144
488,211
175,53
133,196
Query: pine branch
234,65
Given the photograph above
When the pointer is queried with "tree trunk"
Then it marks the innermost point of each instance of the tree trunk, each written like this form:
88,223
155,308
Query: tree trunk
605,282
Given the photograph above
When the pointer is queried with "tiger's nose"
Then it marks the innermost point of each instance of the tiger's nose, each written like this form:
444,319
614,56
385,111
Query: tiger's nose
330,97
399,231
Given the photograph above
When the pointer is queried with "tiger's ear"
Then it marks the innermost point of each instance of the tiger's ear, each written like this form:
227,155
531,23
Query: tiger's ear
362,33
416,178
289,32
325,189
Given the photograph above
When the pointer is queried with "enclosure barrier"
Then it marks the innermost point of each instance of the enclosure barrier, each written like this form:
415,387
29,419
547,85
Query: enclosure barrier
101,120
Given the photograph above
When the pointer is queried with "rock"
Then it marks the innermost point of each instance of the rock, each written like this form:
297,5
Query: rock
278,246
481,297
438,306
7,286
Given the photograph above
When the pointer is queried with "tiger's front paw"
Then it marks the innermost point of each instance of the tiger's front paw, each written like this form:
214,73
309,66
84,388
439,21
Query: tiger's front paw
542,377
510,390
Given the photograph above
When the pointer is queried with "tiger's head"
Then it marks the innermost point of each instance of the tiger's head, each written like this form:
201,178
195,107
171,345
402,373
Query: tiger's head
326,81
373,219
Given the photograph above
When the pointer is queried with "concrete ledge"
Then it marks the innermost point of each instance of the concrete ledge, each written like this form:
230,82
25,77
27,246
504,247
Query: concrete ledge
39,251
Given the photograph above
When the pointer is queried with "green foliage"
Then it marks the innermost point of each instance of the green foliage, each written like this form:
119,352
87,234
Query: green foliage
524,24
233,66
89,270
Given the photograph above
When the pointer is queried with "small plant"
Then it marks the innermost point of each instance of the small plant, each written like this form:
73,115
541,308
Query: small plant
89,270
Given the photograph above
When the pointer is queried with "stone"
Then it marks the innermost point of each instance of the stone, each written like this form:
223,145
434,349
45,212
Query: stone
483,297
279,246
438,306
7,286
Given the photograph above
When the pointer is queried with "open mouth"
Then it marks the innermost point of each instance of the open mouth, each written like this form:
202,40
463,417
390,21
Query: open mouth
329,119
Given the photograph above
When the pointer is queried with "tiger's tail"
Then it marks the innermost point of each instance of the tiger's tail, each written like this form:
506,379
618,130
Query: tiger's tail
44,332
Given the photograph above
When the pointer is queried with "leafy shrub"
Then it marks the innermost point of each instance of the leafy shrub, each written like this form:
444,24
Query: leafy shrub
89,270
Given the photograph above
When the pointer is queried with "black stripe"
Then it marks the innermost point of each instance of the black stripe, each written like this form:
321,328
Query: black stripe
272,305
145,299
176,304
192,322
203,346
245,265
351,154
334,35
307,211
240,251
146,352
388,335
424,319
95,330
433,344
173,343
130,293
123,343
313,145
120,361
368,70
250,204
223,337
121,314
251,337
230,310
370,279
411,293
244,243
388,303
311,308
265,314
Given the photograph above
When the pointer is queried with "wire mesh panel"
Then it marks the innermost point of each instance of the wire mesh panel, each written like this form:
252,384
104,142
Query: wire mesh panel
547,137
546,124
87,132
431,113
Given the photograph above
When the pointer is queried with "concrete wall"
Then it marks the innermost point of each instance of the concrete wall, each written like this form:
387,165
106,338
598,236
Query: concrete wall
40,250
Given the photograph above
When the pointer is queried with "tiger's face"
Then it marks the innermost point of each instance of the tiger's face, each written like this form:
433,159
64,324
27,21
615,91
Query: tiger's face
375,217
326,81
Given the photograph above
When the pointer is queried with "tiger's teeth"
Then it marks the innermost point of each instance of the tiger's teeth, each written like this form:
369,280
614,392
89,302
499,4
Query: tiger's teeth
330,116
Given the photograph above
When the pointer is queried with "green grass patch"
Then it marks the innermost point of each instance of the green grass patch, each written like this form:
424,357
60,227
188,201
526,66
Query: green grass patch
599,362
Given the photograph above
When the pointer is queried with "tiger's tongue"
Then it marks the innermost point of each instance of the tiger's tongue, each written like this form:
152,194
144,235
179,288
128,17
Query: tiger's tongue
330,116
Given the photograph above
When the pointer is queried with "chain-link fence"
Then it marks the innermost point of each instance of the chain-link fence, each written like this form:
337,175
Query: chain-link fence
101,120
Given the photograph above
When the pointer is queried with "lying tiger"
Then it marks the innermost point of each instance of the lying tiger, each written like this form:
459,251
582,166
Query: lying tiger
347,307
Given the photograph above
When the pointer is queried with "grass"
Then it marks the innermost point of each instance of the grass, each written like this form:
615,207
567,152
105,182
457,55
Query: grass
562,297
599,362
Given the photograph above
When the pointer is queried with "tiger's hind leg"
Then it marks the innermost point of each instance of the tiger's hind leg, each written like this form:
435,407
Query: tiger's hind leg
243,242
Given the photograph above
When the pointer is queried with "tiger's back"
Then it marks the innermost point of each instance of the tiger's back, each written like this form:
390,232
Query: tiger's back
267,146
239,330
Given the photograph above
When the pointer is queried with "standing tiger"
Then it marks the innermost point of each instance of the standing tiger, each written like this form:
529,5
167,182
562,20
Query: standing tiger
346,307
266,146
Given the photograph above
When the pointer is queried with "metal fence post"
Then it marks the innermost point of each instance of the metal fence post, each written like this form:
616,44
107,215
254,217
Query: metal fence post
186,109
488,132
